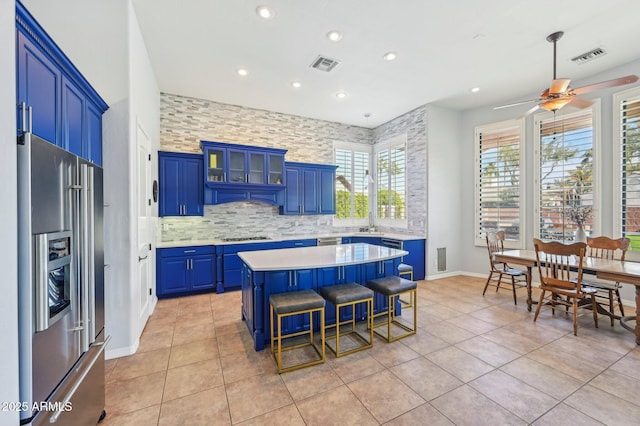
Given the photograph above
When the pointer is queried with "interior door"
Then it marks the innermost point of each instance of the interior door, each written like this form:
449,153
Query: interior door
145,233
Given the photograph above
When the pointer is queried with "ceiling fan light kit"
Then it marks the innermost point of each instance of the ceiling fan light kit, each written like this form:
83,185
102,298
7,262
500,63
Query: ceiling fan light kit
559,94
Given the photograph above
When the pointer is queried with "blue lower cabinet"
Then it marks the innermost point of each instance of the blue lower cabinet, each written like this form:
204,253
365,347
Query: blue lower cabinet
376,241
185,270
229,264
416,257
338,275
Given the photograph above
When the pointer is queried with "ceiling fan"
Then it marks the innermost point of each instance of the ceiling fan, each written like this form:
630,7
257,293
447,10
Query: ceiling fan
560,94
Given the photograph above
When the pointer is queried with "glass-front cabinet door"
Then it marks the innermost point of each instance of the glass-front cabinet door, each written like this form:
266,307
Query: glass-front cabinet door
257,168
215,164
237,166
276,169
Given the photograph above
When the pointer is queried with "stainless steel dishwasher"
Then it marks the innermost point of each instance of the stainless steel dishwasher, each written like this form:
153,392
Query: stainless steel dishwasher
329,241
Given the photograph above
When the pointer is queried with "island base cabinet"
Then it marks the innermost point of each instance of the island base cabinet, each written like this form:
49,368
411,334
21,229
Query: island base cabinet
257,287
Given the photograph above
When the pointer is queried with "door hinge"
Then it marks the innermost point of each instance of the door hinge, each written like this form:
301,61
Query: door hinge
149,292
149,246
149,157
149,201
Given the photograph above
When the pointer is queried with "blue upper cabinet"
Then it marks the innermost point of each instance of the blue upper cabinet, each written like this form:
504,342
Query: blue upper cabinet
310,189
242,173
39,91
55,102
181,186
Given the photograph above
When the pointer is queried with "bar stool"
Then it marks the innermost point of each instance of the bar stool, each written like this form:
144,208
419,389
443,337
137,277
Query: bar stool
289,304
349,294
404,269
392,287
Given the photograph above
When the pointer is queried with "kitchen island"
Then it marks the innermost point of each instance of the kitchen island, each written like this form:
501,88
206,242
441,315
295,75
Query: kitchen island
269,272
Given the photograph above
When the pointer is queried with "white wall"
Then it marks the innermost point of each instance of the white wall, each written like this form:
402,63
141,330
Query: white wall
444,168
142,105
8,215
475,257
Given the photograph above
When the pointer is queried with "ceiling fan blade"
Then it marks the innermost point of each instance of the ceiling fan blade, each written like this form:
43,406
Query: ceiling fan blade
580,102
559,86
516,104
621,81
531,111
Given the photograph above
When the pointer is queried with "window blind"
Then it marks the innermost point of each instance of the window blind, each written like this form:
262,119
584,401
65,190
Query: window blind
498,182
630,170
565,173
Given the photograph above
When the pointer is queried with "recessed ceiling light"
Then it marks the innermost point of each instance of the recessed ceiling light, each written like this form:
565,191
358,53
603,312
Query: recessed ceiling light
334,35
475,89
341,95
242,72
367,114
296,84
390,56
265,12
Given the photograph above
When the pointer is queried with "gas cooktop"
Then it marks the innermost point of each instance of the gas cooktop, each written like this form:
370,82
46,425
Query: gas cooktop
245,238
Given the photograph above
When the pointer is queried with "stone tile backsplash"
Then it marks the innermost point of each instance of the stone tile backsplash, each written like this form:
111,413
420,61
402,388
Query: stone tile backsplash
185,121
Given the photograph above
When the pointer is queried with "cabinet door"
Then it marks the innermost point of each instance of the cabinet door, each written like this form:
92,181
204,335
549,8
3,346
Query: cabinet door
237,170
202,272
39,86
292,202
327,191
257,173
192,187
93,136
73,119
174,275
310,191
170,185
275,167
215,162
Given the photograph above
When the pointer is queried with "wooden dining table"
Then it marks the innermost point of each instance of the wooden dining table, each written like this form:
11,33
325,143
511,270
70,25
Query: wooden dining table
606,269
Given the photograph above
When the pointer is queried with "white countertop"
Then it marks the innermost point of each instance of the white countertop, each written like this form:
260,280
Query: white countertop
220,242
317,257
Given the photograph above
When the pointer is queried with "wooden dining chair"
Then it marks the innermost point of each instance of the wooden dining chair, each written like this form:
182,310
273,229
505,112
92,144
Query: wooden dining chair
560,268
607,248
495,244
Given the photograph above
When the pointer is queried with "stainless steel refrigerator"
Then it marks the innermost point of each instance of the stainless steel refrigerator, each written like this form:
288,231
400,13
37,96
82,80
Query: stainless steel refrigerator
61,286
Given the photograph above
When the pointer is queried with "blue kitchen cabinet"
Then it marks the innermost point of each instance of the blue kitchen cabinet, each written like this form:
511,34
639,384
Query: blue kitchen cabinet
229,264
310,189
55,102
181,187
185,270
39,87
368,240
339,275
286,281
416,257
242,173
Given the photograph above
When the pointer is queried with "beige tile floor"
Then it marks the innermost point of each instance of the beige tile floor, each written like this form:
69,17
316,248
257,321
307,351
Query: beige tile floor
474,361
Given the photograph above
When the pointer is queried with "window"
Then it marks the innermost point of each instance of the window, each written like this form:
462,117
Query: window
391,185
499,201
565,175
352,183
627,166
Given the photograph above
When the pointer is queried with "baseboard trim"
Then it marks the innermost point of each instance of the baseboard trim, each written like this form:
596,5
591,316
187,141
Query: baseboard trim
120,352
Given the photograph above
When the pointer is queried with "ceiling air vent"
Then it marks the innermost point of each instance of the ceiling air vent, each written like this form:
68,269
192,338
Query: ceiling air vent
589,56
324,63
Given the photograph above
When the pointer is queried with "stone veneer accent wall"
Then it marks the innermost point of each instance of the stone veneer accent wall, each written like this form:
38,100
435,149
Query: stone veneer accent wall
414,124
185,121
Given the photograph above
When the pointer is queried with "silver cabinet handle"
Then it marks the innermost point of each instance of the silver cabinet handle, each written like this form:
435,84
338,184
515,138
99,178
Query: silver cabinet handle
30,127
189,251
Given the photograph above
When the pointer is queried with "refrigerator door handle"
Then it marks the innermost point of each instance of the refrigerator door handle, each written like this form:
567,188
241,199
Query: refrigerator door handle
85,249
101,347
41,282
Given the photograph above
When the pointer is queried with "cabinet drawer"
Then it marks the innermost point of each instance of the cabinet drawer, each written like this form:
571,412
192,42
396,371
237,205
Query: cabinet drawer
185,251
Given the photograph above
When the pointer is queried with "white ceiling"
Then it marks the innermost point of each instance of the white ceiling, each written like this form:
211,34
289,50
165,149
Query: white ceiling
444,49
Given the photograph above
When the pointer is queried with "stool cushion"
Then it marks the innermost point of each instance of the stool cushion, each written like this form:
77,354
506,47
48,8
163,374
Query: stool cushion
391,285
403,267
293,301
345,293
